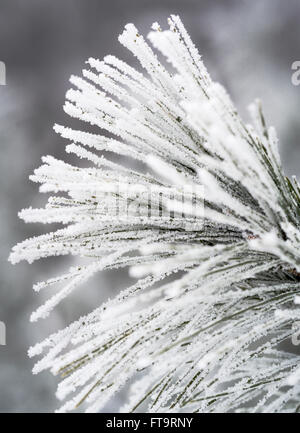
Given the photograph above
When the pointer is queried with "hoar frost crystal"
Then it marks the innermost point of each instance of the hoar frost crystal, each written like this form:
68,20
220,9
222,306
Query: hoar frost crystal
207,339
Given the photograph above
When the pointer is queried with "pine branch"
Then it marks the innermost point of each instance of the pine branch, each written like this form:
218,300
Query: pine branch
202,215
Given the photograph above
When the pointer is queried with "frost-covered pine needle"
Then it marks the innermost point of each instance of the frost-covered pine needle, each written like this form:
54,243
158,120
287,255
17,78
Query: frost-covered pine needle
217,285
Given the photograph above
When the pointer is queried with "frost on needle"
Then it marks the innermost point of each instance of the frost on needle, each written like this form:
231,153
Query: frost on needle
217,282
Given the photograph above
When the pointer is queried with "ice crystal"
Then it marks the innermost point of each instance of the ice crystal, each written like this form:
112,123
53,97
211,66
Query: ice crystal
217,285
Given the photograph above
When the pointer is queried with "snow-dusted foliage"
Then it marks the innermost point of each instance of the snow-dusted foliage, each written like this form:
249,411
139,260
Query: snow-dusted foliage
216,291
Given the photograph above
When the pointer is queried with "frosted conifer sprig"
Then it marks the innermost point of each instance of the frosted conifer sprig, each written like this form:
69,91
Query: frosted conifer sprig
216,292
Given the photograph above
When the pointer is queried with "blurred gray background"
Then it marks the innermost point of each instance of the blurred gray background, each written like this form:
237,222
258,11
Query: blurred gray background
247,45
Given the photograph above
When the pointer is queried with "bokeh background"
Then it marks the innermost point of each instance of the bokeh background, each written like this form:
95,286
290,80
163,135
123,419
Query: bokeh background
247,45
